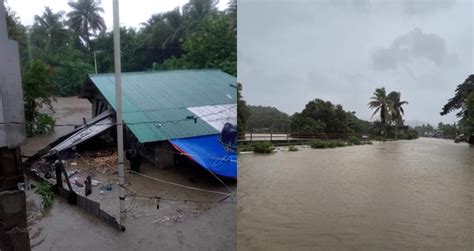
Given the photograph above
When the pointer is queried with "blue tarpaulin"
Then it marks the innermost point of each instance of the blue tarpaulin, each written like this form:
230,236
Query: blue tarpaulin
209,153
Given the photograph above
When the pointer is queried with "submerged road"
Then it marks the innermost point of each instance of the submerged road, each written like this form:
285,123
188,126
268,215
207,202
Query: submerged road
401,195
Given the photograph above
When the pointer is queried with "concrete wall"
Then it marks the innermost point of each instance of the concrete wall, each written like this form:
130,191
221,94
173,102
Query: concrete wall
11,93
13,227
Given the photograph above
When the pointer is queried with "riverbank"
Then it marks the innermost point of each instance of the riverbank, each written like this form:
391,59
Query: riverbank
414,194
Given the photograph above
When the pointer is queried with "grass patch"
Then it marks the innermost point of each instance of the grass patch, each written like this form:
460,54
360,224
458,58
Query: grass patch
44,190
263,147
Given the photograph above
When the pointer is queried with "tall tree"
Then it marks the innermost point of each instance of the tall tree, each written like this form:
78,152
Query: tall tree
179,29
380,103
197,10
463,101
396,109
49,29
85,19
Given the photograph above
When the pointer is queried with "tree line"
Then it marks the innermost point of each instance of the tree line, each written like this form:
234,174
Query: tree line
323,117
64,48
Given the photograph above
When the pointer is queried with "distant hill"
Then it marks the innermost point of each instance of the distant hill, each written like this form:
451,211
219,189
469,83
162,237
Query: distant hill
268,119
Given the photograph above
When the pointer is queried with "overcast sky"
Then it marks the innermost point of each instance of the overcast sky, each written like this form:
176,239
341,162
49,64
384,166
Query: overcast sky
290,52
132,12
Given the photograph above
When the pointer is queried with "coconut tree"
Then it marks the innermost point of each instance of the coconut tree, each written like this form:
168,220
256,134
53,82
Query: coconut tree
179,28
85,19
395,108
49,28
197,10
380,103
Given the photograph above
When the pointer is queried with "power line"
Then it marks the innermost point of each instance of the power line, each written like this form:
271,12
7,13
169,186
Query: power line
132,123
159,198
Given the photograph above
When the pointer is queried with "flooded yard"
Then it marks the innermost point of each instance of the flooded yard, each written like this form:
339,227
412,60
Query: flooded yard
399,195
178,223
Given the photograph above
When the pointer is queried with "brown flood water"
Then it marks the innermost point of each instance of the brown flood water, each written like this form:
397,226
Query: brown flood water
400,195
175,226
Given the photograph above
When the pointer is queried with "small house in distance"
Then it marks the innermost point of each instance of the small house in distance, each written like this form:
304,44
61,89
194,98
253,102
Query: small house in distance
169,111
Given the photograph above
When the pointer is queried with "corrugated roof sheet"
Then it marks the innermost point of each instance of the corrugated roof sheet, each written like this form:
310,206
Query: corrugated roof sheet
154,104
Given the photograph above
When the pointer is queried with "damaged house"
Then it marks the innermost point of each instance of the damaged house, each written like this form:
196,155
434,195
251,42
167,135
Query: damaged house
165,113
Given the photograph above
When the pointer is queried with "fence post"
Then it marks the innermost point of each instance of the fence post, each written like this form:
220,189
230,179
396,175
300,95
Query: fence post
250,136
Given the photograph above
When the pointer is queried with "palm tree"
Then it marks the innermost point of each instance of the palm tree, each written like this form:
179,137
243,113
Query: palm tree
396,109
197,10
176,22
50,28
380,103
85,18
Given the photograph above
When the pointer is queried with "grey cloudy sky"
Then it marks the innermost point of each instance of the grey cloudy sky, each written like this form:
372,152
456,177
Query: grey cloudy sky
290,52
132,12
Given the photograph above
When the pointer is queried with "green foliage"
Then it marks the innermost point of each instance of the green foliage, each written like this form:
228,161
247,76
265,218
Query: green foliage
340,144
85,19
411,134
320,144
425,130
212,45
293,148
263,147
354,140
463,102
321,116
468,121
390,108
317,143
17,31
243,112
44,190
36,93
245,147
68,43
306,125
69,76
268,119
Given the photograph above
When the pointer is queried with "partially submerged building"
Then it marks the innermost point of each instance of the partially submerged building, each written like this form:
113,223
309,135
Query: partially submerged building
168,111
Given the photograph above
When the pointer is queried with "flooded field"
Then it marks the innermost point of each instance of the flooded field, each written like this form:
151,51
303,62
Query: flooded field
399,195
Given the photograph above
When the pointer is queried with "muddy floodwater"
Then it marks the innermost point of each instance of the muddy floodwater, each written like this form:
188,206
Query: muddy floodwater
401,195
173,225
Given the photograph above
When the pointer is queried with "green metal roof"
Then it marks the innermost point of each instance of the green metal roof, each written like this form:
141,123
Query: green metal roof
154,103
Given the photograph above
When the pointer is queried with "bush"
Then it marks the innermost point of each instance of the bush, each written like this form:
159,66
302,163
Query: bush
263,147
245,147
317,143
44,190
292,148
331,144
353,140
340,144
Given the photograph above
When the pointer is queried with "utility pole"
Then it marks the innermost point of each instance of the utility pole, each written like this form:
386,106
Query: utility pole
118,109
95,61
